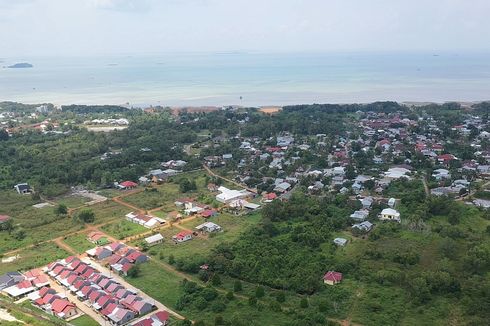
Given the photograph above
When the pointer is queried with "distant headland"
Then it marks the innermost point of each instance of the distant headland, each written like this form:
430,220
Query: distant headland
21,65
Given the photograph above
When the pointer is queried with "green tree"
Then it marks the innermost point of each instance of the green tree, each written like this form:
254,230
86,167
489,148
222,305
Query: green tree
216,280
281,297
237,286
229,295
61,209
4,135
86,216
303,303
134,271
19,234
259,292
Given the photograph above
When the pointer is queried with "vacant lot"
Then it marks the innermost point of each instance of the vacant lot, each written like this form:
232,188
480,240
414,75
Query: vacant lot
123,228
37,256
84,321
164,195
202,245
79,242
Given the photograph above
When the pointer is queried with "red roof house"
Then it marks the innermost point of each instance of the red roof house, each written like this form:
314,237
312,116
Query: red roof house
128,185
332,278
63,308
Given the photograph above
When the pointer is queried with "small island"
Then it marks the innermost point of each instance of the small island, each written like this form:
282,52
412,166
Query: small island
21,65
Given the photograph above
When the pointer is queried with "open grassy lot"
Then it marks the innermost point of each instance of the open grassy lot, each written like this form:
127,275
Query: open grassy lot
72,201
164,195
123,228
37,224
84,321
41,224
34,257
78,242
202,245
109,193
166,287
108,211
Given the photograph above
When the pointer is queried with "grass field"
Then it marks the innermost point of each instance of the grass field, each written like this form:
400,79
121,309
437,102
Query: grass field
166,193
123,228
72,201
37,256
78,242
39,224
43,224
84,321
165,287
202,245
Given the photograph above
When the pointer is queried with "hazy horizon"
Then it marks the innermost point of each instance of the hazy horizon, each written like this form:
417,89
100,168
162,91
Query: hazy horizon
139,27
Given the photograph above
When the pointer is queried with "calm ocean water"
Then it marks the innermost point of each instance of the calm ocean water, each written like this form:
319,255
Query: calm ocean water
259,79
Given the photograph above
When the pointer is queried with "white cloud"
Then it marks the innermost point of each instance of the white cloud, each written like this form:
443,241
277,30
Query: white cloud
123,5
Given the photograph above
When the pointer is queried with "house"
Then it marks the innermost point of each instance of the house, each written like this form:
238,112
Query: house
122,268
97,238
251,206
182,236
227,195
142,307
282,187
389,214
23,188
207,213
332,278
395,173
104,301
392,202
4,218
367,202
109,309
269,197
126,185
63,308
160,318
208,227
147,221
441,174
446,158
121,316
99,253
20,289
10,279
365,226
154,239
360,215
136,257
340,241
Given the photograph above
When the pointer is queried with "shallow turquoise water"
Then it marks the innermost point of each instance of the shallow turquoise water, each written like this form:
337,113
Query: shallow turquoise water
260,79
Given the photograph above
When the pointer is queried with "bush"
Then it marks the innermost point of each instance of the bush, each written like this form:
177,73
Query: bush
229,295
86,216
303,303
216,280
259,292
218,307
281,297
237,286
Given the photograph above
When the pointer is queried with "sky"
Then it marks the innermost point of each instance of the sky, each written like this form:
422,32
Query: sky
110,27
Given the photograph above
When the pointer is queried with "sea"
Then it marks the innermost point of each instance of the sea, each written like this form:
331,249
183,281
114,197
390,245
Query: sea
247,78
